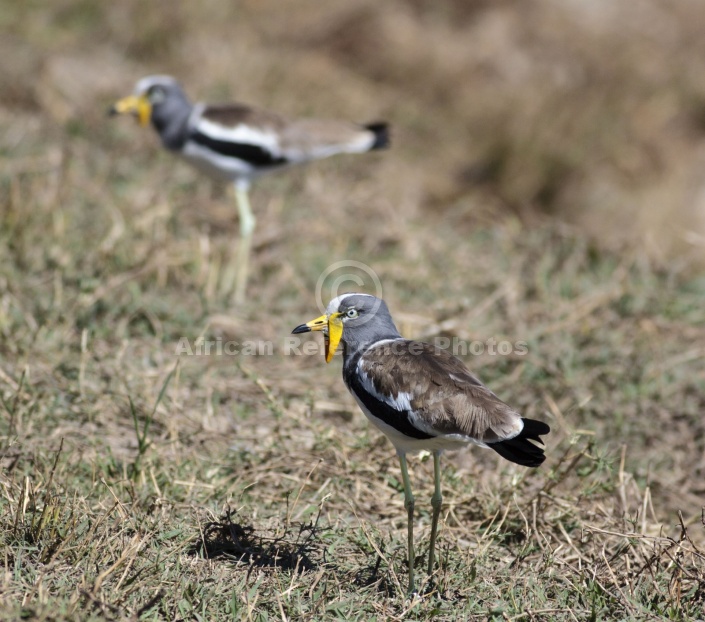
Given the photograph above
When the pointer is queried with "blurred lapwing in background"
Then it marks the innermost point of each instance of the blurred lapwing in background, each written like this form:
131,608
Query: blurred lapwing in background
421,396
239,143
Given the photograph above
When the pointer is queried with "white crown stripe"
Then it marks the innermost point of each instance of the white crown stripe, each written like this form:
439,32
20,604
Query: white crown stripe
334,304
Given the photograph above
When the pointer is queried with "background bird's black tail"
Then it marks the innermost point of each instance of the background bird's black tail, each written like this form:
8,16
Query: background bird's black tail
520,449
381,132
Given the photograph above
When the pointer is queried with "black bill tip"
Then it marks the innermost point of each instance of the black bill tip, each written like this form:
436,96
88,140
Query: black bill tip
302,328
112,111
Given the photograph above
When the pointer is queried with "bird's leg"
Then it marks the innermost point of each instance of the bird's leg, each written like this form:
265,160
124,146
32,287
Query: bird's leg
409,505
247,226
436,501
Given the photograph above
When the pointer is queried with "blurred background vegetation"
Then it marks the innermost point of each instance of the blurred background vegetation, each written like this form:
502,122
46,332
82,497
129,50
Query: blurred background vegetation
588,112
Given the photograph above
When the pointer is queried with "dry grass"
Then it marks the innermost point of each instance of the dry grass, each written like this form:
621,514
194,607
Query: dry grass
530,140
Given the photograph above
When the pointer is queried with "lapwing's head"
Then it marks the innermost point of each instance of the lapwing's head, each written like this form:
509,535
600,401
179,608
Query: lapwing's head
155,98
354,319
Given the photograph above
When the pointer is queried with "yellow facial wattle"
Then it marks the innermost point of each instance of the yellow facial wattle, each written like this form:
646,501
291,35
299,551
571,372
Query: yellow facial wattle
138,105
332,327
335,333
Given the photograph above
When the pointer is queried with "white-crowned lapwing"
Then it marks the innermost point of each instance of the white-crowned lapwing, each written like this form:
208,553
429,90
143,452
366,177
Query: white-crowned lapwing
420,396
238,143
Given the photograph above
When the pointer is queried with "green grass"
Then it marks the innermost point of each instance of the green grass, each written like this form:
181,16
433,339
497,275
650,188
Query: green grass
220,489
141,485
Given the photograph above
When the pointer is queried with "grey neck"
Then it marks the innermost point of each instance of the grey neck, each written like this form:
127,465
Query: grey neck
171,119
353,348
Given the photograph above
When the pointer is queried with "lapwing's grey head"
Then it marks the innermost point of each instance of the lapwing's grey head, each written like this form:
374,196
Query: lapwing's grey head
158,99
355,319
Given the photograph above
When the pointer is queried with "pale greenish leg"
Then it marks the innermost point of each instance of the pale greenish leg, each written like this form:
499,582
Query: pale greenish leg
409,505
247,226
436,501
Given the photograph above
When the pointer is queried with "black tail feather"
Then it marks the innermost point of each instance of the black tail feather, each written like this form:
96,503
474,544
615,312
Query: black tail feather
520,449
381,132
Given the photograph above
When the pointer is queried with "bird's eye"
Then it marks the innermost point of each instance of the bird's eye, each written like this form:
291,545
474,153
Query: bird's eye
351,313
157,95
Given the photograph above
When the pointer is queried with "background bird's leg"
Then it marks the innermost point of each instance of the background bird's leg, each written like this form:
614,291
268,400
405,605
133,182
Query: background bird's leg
436,501
409,505
247,226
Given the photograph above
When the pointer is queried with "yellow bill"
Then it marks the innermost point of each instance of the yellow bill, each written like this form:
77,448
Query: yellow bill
332,327
137,105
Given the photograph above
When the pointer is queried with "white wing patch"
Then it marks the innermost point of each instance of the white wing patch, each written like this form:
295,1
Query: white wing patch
241,133
401,401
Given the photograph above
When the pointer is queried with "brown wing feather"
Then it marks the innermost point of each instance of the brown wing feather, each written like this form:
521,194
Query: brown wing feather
232,115
445,394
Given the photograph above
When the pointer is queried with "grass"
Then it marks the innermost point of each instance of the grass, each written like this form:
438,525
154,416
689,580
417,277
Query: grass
259,492
139,484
